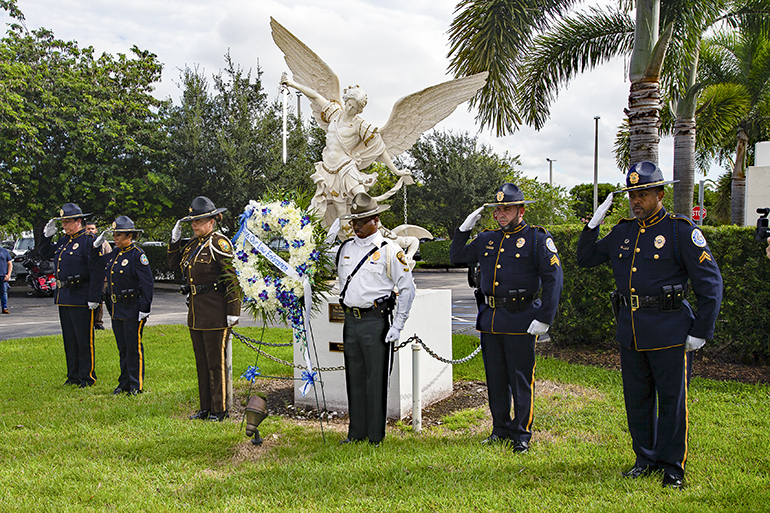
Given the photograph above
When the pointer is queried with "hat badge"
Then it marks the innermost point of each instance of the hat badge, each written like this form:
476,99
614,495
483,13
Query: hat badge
61,212
114,225
500,196
189,210
633,178
354,206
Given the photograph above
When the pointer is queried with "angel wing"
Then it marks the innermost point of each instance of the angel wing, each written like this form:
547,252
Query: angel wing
307,67
419,112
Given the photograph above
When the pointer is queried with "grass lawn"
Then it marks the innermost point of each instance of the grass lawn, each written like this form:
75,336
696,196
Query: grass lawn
66,449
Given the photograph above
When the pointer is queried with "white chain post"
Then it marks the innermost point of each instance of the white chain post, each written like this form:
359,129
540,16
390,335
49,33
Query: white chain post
405,205
416,399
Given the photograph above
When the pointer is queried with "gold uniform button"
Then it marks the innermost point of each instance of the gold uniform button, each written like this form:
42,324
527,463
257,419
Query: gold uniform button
502,249
641,231
633,290
633,269
499,266
638,250
496,284
486,254
507,236
656,257
620,255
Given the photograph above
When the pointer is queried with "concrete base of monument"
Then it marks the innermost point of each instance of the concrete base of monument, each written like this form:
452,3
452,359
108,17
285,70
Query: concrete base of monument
430,319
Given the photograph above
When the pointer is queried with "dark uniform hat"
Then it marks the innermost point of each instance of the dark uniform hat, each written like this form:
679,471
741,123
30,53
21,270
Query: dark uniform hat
508,194
202,207
124,224
644,175
71,211
364,206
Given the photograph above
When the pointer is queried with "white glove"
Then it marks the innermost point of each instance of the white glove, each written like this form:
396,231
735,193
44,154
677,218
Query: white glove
693,343
176,233
232,320
334,229
393,335
93,306
537,328
50,228
100,240
143,315
471,220
601,211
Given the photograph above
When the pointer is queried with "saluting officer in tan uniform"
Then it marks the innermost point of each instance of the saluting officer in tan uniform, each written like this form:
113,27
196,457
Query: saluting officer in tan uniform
213,300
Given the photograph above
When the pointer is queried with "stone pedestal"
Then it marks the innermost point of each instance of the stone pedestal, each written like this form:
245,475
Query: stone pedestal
758,183
430,319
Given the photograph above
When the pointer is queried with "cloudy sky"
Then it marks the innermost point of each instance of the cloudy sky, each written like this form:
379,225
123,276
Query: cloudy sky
390,51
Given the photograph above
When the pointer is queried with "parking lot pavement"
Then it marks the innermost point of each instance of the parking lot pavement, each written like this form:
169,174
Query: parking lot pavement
38,316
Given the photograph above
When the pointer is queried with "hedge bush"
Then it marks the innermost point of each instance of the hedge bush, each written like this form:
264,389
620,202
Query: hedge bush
584,316
435,253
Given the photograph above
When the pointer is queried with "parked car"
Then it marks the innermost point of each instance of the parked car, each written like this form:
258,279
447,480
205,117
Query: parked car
20,248
153,243
7,244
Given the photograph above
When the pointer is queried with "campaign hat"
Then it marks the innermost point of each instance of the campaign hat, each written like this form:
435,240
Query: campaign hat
644,175
200,208
508,194
364,205
71,211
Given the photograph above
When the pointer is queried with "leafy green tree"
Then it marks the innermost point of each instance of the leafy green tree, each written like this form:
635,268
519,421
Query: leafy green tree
226,142
76,127
455,175
582,196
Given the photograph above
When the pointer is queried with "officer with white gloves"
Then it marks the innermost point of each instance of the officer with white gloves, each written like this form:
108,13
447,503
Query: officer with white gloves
370,267
516,261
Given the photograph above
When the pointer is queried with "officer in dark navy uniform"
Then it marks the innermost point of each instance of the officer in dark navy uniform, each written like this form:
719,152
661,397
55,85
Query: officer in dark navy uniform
128,298
653,256
214,301
515,261
78,290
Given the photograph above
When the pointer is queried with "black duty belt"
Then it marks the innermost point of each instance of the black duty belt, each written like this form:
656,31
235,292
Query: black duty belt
199,289
506,302
128,297
360,313
639,301
72,282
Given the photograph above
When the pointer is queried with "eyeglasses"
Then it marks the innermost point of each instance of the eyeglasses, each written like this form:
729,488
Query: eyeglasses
361,222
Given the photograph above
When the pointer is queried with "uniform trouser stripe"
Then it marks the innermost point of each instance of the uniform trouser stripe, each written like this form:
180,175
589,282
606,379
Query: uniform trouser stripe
128,337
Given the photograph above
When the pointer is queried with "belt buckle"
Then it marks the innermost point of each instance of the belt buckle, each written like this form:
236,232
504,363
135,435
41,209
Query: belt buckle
491,301
356,312
114,298
193,290
634,302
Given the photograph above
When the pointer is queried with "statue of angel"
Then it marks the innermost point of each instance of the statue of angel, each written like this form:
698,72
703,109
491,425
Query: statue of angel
352,144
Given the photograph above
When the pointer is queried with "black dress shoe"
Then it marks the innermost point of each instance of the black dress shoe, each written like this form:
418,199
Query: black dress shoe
637,471
200,415
85,385
520,446
218,417
351,441
72,382
134,391
375,444
98,326
493,439
118,391
672,481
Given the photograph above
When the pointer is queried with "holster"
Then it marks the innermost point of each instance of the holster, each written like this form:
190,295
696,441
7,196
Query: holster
479,297
385,304
615,303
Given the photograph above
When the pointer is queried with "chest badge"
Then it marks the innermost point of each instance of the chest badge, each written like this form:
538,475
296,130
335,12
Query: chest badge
660,241
375,256
75,246
124,262
520,242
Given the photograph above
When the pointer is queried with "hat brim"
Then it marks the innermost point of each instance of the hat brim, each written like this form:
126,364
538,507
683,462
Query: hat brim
76,216
647,186
125,230
505,203
201,216
370,213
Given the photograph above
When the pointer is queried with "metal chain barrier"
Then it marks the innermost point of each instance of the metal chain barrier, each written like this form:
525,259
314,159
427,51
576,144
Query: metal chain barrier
250,343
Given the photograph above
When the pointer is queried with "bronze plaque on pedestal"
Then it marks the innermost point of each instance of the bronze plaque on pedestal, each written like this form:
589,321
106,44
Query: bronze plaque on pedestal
336,313
335,347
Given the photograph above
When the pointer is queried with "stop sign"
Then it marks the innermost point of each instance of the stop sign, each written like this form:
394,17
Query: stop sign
698,213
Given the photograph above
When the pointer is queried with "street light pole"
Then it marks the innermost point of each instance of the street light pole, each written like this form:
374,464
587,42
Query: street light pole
550,170
596,162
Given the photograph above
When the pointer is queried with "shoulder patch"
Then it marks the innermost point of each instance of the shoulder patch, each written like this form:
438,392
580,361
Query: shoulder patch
224,245
144,260
401,257
697,238
550,245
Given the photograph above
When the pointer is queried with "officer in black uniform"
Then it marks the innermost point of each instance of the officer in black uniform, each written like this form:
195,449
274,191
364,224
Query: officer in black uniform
78,290
653,256
515,261
128,297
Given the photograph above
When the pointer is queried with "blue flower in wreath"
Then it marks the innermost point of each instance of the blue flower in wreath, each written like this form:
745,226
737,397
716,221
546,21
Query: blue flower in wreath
315,255
265,227
265,211
302,269
304,221
297,243
283,222
285,203
254,251
242,256
263,295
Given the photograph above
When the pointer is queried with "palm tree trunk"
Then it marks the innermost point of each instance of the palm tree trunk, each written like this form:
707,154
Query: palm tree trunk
738,190
644,121
684,165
